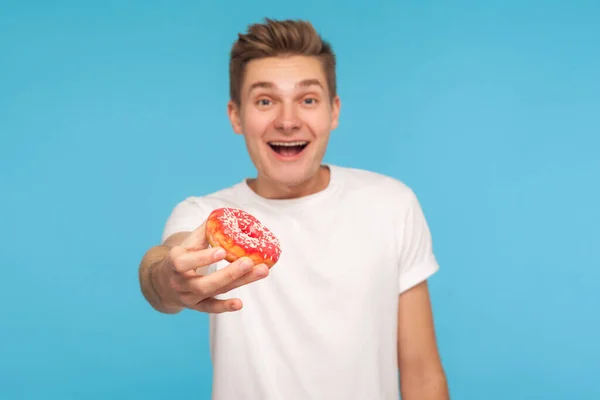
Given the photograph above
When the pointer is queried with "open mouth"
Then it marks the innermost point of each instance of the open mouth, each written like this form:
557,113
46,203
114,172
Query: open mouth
288,149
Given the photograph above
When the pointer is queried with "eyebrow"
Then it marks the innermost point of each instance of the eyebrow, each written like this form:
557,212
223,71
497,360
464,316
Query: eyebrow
270,85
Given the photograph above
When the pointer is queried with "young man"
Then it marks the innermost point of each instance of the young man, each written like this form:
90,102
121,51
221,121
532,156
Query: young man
346,311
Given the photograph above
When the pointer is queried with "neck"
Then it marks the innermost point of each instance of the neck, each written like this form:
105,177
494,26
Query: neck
272,190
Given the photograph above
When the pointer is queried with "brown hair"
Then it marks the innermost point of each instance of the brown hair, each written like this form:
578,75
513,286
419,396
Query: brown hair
275,39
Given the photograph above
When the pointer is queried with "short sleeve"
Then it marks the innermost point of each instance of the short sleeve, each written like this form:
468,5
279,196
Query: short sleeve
417,261
185,217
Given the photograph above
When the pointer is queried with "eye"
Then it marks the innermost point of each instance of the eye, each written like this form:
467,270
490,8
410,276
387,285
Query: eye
263,102
310,101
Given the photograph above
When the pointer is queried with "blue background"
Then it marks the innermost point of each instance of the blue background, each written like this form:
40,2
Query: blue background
111,112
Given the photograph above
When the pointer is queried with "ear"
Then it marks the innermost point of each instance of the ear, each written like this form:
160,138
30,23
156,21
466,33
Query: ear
234,117
336,106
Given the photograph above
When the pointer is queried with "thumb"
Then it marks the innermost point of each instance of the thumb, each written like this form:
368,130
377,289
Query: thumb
196,240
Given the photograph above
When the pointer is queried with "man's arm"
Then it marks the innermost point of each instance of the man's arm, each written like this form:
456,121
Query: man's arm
152,286
422,375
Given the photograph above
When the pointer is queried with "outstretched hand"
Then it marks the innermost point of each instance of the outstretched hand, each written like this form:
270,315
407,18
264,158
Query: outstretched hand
191,289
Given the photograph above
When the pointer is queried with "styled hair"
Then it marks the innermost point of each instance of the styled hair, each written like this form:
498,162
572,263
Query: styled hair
279,39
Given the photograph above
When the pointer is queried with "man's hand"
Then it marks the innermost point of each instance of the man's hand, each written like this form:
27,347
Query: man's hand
181,279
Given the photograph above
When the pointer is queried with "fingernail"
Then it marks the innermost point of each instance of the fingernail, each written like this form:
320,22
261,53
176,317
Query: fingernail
246,264
262,270
219,253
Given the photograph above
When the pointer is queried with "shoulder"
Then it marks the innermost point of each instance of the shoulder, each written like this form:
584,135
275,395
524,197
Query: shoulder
379,187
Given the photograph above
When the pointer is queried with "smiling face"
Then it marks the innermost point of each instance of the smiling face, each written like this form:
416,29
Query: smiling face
286,114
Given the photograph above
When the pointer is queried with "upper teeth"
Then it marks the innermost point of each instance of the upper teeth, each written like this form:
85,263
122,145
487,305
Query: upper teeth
299,143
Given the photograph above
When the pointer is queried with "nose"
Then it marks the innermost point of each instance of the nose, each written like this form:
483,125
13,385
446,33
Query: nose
287,120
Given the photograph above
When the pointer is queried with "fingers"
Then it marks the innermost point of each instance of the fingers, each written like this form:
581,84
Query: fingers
198,292
197,285
212,284
215,306
196,240
183,260
209,305
259,272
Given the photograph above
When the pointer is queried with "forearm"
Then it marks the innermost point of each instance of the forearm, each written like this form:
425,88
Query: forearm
434,387
153,288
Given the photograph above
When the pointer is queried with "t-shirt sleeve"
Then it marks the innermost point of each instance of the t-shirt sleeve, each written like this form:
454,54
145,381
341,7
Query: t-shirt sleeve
417,261
185,217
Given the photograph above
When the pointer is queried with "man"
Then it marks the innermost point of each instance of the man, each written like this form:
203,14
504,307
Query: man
346,310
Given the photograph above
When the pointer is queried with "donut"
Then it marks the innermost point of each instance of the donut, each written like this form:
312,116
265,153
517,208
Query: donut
242,235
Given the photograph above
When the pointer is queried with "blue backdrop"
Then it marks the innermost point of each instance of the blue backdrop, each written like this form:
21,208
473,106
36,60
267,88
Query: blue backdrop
112,112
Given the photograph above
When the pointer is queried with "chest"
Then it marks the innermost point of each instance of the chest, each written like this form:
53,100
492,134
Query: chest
343,258
334,255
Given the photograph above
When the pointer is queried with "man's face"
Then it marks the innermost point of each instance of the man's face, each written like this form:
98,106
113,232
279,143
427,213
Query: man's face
286,116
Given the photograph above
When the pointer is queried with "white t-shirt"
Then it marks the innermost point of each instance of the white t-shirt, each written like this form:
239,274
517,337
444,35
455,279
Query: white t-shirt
323,324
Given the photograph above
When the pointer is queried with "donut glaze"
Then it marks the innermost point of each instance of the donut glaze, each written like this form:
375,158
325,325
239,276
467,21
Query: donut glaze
242,235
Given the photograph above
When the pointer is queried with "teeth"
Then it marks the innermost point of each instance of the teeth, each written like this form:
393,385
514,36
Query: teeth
290,144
